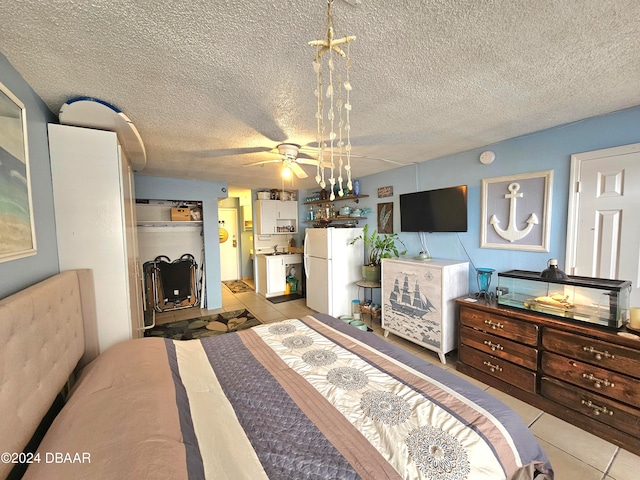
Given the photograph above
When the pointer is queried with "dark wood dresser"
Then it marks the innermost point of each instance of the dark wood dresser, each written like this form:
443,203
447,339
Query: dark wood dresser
588,376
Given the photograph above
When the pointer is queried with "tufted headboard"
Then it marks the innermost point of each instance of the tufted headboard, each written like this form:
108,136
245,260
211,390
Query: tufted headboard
46,331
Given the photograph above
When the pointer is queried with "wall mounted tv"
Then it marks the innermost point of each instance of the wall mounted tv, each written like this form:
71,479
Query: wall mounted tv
441,210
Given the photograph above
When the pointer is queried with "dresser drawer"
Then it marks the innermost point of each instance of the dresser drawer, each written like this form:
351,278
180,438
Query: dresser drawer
596,352
595,406
511,328
611,384
517,353
499,368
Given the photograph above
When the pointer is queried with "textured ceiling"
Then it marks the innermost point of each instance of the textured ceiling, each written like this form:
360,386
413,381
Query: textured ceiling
204,80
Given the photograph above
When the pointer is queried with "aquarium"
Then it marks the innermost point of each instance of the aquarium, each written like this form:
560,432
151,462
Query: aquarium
598,301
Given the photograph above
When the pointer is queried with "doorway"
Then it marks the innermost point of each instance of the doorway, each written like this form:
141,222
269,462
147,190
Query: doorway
603,234
228,231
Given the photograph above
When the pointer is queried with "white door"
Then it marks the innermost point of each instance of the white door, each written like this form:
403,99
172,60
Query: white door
228,230
603,234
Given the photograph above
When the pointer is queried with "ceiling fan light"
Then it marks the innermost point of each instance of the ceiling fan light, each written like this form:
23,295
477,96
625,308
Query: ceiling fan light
286,172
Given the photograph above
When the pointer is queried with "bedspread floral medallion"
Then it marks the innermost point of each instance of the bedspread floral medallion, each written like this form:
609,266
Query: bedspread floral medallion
282,329
347,378
438,454
297,341
385,407
319,357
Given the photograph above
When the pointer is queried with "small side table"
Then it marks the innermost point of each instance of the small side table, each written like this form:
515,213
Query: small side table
364,284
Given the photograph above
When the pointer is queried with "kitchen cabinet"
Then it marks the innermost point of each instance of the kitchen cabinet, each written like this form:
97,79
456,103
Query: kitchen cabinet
418,300
94,202
588,376
273,271
276,216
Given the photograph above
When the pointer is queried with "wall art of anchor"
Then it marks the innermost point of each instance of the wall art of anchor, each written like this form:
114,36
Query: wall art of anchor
512,233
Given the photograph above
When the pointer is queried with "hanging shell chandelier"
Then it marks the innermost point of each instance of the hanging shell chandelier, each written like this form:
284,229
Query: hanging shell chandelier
333,88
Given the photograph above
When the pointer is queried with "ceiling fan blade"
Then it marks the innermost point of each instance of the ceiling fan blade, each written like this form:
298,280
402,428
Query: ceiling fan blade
227,152
297,169
306,162
367,157
311,148
261,162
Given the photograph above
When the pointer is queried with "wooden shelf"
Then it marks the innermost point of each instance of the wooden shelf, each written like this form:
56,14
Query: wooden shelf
168,223
355,198
337,219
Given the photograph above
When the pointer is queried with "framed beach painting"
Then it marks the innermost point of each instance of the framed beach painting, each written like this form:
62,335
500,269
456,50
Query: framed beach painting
17,232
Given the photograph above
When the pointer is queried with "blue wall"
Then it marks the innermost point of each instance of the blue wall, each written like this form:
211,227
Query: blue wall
161,188
18,274
545,150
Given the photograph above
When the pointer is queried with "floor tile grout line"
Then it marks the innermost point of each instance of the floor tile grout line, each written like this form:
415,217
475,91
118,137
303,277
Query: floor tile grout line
537,418
613,457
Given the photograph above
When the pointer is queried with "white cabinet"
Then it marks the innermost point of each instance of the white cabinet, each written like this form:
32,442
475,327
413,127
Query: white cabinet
276,216
418,300
94,202
273,271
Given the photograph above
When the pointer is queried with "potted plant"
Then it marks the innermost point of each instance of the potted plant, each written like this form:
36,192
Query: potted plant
377,247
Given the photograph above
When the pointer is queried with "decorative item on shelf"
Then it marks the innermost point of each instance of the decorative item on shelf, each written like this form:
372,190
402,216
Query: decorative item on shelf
355,309
180,214
552,272
332,84
377,248
322,222
345,211
484,282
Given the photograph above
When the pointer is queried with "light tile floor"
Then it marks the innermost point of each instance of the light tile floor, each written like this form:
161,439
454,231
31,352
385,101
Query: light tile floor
574,453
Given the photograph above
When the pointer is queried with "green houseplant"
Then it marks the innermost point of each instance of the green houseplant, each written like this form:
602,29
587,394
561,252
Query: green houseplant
377,247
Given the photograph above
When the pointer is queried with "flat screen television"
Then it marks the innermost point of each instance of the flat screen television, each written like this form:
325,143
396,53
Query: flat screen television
440,210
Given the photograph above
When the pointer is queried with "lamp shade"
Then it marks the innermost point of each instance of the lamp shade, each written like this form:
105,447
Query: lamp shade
552,272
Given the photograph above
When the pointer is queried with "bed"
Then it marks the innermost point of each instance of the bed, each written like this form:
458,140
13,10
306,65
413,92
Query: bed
309,397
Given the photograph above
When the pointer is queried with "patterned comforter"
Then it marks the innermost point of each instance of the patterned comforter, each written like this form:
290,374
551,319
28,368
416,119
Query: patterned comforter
302,398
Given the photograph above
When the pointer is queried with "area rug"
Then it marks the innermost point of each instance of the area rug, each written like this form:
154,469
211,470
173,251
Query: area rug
285,298
237,286
211,325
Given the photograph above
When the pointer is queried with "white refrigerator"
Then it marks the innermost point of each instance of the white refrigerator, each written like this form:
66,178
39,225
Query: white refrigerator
332,268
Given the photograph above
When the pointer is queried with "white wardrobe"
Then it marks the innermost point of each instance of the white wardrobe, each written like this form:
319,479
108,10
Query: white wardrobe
94,204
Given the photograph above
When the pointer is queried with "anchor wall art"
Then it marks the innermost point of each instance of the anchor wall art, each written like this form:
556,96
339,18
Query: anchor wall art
516,212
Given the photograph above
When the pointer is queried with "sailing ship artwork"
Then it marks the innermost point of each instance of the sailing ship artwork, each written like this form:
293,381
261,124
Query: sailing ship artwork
411,306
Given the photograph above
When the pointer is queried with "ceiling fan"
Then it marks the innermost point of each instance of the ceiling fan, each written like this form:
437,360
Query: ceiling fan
291,158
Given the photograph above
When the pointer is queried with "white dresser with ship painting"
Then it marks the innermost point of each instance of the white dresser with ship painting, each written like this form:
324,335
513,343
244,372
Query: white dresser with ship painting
418,300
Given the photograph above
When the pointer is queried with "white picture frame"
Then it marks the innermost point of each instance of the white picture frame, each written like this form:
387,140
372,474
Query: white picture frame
516,212
17,228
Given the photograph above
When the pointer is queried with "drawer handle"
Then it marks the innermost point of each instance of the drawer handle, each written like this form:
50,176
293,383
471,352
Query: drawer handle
598,354
597,409
493,325
597,382
493,367
493,346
